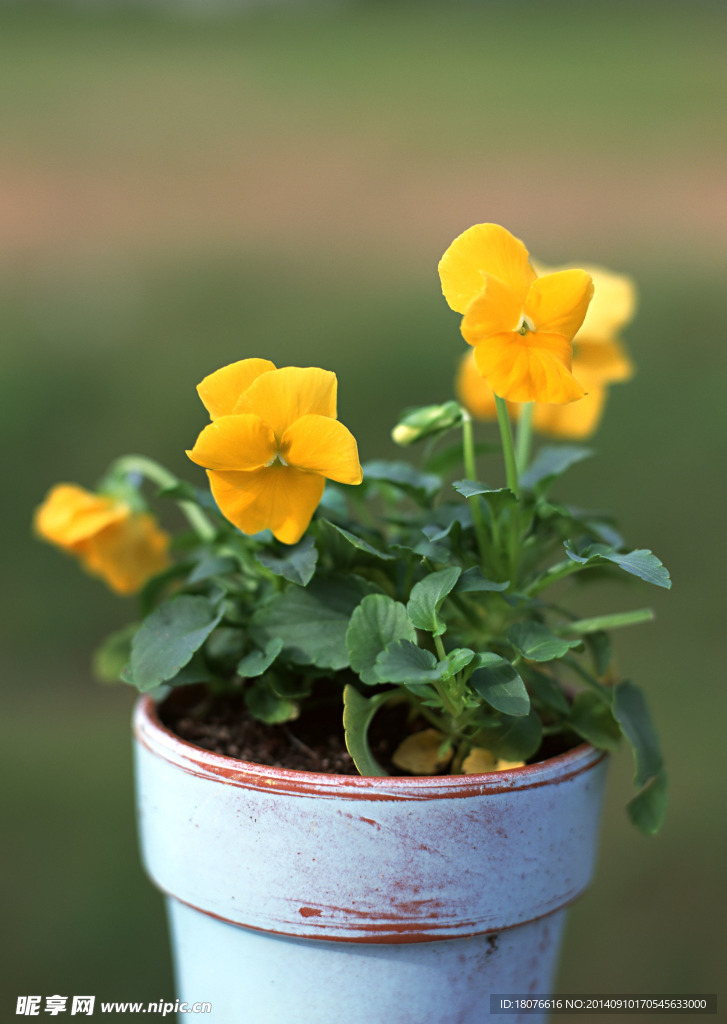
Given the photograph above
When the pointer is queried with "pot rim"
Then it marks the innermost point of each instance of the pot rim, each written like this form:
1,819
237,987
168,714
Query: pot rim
161,741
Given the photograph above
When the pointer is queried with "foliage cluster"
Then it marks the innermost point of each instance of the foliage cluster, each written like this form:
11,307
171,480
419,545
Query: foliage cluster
418,585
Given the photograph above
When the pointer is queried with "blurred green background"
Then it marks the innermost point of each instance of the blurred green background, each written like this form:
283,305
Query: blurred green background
178,191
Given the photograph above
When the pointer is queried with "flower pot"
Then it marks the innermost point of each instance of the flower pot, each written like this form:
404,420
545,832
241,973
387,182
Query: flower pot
321,898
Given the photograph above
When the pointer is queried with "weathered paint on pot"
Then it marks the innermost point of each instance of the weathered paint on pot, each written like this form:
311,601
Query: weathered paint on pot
320,898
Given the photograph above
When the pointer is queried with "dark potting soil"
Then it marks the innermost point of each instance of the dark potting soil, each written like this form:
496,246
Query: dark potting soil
314,742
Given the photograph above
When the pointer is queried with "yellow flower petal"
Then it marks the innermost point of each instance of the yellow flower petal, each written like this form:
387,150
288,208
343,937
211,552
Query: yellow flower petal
479,761
234,442
557,303
277,498
475,393
322,445
483,249
530,368
497,308
70,514
614,299
613,303
221,390
600,361
576,420
420,753
127,554
472,389
283,396
123,547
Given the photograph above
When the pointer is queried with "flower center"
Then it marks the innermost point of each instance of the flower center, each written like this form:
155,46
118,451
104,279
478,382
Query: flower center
525,326
277,460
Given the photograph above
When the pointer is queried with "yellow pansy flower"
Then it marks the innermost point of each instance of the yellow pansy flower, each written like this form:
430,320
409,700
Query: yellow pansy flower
521,326
599,359
125,548
273,440
480,760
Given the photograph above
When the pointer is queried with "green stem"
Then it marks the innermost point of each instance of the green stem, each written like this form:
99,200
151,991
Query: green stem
524,437
511,472
146,467
439,646
462,751
604,692
583,626
439,686
470,468
431,716
508,445
556,572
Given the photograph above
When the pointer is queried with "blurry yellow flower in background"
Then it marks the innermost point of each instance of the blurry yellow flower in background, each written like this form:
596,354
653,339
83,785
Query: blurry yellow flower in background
520,325
599,359
273,441
125,548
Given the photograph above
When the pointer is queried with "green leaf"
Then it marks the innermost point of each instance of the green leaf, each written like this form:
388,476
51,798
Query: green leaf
433,552
195,671
498,499
642,562
599,644
455,661
224,648
427,597
546,691
648,807
257,661
536,642
265,705
594,722
168,638
153,591
296,564
112,656
631,712
358,712
358,542
601,526
312,621
212,565
405,662
296,687
471,488
497,681
472,581
421,486
435,533
513,739
551,462
376,622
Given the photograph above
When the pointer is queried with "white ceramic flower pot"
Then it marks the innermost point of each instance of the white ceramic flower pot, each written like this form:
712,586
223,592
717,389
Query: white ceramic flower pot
294,896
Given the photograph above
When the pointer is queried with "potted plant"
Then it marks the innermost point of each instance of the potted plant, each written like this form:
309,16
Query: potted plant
374,732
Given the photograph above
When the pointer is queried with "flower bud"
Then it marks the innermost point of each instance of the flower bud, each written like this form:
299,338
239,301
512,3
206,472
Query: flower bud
425,421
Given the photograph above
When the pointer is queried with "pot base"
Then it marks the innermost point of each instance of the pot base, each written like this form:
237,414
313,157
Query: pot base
255,977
